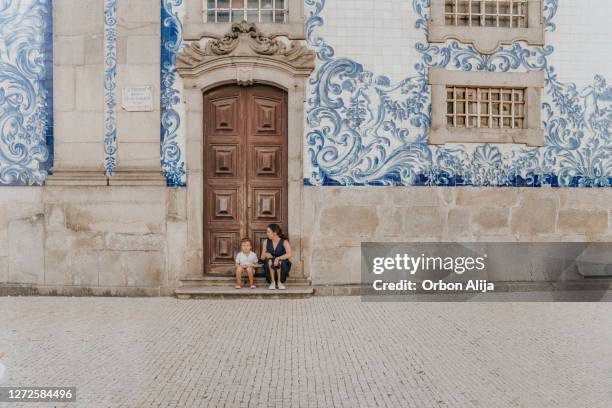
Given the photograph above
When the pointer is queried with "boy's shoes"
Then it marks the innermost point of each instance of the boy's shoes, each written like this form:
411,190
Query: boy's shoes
272,286
253,286
281,286
238,287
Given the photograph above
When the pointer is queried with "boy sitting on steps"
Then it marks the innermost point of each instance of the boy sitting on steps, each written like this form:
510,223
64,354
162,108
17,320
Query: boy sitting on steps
245,260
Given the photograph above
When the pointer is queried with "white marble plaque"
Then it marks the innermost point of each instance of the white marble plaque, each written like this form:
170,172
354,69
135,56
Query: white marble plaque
137,98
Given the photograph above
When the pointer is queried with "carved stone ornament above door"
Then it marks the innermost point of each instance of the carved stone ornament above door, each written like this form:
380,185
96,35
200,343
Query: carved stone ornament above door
246,45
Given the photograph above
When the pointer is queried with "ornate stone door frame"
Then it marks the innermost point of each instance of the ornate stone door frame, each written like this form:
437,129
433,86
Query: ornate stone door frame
245,56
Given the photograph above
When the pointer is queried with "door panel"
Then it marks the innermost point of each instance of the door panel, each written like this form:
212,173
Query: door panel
222,244
267,114
224,204
224,115
266,161
245,185
223,160
268,205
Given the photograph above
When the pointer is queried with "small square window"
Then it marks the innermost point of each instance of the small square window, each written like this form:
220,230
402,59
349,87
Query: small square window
488,13
504,21
484,111
257,11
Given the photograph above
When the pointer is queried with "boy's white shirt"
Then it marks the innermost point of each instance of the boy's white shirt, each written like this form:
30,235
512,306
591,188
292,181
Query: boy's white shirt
250,258
2,371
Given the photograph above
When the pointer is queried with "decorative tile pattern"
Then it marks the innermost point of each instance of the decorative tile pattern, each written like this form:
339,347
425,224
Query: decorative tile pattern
366,130
26,91
110,85
172,108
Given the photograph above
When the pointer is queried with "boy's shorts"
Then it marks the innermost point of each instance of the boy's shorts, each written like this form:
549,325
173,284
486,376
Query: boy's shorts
245,267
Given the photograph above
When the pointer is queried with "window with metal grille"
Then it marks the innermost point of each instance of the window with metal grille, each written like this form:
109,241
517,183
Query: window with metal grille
486,107
486,13
256,11
493,108
486,24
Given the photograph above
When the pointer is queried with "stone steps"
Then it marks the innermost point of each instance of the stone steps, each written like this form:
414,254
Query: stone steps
228,280
222,286
227,292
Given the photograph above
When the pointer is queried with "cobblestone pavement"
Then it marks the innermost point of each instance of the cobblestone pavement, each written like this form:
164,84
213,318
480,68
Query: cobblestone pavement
320,352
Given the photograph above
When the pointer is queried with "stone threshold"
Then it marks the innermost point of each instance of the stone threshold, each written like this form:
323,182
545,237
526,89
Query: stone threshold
222,287
225,292
228,280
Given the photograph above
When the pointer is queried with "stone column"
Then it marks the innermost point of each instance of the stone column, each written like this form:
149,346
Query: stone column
78,92
138,132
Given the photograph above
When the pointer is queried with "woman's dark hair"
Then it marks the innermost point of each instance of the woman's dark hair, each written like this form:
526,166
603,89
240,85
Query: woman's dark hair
278,230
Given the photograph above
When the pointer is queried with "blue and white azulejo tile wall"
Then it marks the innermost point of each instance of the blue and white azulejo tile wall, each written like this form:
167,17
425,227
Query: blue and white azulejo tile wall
369,110
172,117
110,86
26,91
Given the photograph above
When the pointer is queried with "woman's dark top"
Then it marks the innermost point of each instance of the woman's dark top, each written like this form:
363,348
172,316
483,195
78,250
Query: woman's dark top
279,251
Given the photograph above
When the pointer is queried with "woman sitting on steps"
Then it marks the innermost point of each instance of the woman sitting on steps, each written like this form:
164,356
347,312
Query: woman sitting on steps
275,255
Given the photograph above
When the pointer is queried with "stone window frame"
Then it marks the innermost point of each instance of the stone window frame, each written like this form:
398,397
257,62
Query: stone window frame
194,25
533,83
486,40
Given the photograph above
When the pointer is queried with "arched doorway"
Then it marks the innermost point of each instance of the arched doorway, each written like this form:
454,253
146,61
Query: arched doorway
245,169
245,56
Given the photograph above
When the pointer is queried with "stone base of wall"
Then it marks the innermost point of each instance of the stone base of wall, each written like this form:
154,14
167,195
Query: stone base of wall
344,217
118,241
76,240
58,290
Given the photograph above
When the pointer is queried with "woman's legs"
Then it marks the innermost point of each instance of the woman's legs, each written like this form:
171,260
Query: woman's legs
277,270
271,273
283,271
266,268
285,267
271,269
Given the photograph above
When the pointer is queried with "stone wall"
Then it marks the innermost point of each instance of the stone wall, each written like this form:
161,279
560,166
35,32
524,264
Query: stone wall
95,228
78,65
21,235
92,240
93,132
122,241
91,230
138,63
343,218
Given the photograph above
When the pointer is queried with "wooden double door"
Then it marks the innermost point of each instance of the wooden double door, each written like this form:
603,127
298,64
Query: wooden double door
245,160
